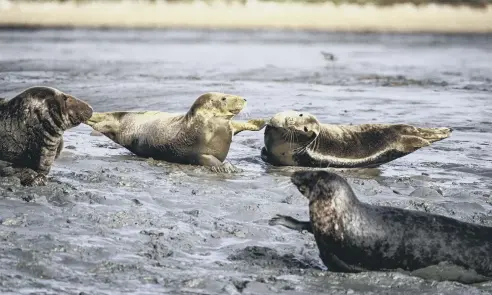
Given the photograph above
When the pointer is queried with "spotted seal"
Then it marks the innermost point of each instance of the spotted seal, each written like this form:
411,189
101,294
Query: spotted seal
299,139
202,136
31,130
353,236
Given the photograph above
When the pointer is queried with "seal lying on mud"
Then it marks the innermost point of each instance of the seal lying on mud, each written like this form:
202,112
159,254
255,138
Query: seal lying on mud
299,139
202,136
31,130
353,236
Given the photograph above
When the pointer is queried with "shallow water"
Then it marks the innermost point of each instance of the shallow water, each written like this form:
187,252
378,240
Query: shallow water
112,223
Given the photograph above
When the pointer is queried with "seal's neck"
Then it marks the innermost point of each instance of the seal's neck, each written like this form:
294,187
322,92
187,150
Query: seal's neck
205,116
328,213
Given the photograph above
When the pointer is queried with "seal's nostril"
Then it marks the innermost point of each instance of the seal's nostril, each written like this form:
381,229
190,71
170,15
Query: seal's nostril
245,99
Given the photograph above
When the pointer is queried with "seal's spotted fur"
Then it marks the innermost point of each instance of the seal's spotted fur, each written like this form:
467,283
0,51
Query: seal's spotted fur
299,139
353,236
31,130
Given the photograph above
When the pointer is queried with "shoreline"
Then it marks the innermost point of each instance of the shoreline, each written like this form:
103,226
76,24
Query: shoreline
401,18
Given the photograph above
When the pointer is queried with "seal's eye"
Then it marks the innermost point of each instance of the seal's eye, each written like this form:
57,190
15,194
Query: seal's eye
300,115
305,129
224,98
65,98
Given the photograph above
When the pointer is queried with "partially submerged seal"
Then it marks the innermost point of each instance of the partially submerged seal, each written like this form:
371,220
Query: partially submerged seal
31,130
202,136
353,236
299,139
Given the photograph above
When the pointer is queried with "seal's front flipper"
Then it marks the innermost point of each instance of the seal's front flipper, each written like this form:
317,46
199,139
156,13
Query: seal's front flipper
59,149
216,165
292,223
38,180
27,176
97,118
226,167
110,117
251,125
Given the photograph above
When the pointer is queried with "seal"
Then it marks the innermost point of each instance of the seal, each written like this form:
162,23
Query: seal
353,236
32,126
298,139
202,136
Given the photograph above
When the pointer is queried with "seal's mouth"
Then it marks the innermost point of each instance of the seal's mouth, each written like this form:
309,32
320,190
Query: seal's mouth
81,113
236,111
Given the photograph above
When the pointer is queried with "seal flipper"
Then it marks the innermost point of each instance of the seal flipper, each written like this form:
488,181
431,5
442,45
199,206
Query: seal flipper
59,148
429,134
336,265
216,165
226,168
290,222
251,125
332,261
27,176
434,134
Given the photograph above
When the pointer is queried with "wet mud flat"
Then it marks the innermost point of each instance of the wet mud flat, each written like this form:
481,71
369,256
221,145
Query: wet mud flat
112,223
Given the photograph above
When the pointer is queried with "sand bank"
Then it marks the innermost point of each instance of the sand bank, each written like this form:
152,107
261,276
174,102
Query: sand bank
398,18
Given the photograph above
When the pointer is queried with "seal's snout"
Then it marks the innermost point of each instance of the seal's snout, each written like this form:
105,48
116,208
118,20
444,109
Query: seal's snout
79,110
84,111
308,181
302,178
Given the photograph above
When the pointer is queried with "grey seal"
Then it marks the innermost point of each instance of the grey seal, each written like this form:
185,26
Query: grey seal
298,139
353,236
202,136
31,131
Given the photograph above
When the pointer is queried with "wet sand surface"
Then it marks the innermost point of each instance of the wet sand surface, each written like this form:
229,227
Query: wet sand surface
112,223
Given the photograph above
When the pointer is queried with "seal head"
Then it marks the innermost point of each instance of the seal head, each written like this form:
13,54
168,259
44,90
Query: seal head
302,126
321,185
216,104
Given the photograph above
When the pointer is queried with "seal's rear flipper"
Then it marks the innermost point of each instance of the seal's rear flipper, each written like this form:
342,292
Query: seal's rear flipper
290,222
434,134
409,144
445,271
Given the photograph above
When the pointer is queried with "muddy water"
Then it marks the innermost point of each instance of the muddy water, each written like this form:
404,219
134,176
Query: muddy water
112,223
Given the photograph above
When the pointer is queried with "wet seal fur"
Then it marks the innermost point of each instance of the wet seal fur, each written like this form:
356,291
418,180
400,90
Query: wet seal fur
31,131
299,139
202,136
353,236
